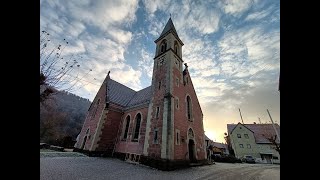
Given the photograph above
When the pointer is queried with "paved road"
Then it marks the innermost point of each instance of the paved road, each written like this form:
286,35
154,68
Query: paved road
83,168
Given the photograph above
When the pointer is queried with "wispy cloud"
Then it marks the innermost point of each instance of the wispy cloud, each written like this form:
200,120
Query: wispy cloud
235,7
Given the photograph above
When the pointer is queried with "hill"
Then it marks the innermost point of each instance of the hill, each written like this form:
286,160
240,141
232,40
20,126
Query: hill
62,115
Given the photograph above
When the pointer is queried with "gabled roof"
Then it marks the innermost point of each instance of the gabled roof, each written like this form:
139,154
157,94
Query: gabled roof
259,130
231,127
219,145
140,97
126,97
119,93
206,138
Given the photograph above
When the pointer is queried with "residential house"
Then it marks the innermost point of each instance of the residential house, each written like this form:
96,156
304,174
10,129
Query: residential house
220,148
252,139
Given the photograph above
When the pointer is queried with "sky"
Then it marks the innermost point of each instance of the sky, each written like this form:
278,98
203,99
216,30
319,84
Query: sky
232,48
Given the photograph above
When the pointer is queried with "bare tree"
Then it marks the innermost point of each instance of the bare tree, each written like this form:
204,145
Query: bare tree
56,72
273,140
228,141
269,133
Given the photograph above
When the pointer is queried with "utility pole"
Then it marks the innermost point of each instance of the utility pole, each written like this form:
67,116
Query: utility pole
273,125
241,116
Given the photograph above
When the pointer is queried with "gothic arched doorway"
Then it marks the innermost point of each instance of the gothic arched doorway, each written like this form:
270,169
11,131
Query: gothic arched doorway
191,148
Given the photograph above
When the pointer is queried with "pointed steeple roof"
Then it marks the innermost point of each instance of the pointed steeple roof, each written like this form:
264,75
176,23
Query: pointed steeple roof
169,28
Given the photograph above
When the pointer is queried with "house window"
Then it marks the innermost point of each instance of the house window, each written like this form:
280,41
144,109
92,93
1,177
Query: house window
248,146
239,135
177,103
177,137
157,112
241,145
159,85
189,108
125,135
275,157
137,128
246,136
155,137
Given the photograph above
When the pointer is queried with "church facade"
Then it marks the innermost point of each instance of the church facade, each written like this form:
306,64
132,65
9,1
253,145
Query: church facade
162,123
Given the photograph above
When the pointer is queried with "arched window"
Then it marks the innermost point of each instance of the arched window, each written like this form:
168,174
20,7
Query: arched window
176,47
163,46
189,108
137,128
190,133
125,134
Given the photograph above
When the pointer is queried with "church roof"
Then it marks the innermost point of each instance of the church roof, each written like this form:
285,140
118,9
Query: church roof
140,97
126,97
169,28
119,93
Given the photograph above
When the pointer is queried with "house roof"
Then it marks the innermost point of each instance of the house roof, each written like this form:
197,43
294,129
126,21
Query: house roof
231,127
219,145
206,138
259,131
125,96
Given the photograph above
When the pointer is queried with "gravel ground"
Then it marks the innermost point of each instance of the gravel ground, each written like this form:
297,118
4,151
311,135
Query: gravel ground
96,168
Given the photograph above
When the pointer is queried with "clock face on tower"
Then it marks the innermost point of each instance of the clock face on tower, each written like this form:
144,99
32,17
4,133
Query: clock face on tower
161,60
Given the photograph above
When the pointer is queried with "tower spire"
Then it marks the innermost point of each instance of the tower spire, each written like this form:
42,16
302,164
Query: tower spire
167,29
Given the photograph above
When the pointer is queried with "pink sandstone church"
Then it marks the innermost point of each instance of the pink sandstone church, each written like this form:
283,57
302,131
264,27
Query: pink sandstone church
160,125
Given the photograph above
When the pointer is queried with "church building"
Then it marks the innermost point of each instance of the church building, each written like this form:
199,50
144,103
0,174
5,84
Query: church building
160,125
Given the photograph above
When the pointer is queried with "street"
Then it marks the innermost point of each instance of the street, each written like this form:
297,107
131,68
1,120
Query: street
96,168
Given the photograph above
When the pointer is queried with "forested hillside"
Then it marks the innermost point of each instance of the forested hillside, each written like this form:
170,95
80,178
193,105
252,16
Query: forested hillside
62,116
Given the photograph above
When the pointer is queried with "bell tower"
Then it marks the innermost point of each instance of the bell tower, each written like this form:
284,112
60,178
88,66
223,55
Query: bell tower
167,67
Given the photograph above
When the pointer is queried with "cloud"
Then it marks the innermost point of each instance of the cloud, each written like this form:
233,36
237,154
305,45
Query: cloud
249,51
153,5
104,13
235,7
97,37
258,15
202,17
146,63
